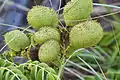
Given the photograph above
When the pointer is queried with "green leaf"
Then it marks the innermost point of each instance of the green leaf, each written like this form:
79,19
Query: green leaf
39,75
35,62
44,65
2,62
113,74
51,70
23,77
50,77
34,72
12,77
7,74
1,73
21,68
117,77
89,78
17,71
43,74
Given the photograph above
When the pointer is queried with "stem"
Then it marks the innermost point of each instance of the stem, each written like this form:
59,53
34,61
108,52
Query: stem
90,67
65,62
81,78
106,5
83,68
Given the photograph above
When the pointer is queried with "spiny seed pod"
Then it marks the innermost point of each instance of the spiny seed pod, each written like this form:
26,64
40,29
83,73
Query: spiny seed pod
40,16
49,51
46,33
86,34
77,10
16,40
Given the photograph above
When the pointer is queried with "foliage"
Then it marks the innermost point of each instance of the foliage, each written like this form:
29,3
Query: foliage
26,71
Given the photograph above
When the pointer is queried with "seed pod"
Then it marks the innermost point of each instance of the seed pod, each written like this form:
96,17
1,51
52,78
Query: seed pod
77,10
49,51
16,40
40,16
86,34
33,53
46,33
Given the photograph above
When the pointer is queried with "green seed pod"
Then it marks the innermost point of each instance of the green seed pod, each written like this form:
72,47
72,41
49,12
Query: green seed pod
40,16
49,51
77,10
46,33
86,34
16,40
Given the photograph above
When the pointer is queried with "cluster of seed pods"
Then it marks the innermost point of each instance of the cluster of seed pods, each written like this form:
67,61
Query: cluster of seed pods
83,34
